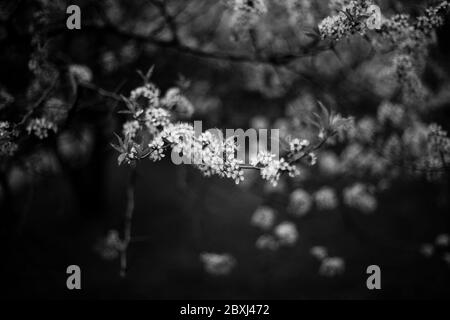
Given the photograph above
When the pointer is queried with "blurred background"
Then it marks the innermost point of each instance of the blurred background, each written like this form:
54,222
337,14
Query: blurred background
378,194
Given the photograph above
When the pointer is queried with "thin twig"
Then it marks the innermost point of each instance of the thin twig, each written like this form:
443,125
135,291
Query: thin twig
128,221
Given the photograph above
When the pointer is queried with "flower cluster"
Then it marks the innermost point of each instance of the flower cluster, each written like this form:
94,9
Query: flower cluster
299,11
332,266
40,127
357,16
246,14
271,168
359,197
263,217
391,113
439,248
7,146
326,199
287,233
218,264
175,100
329,266
80,73
110,246
300,202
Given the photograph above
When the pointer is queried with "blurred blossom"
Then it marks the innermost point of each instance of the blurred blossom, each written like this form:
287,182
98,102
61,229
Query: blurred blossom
259,122
130,128
80,72
263,217
299,12
267,242
109,62
5,98
446,258
427,250
286,233
128,53
326,199
364,129
18,178
110,246
391,113
178,102
351,17
55,109
332,266
246,14
76,147
218,264
358,196
443,240
42,162
40,127
300,202
329,163
319,252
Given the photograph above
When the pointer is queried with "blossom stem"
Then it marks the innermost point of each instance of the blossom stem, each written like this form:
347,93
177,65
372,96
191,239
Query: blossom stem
128,221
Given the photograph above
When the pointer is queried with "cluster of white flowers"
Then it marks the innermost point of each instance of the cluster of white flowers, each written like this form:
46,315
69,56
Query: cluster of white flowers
412,88
4,126
7,146
263,217
131,128
218,264
156,118
110,246
175,100
40,127
332,266
440,247
149,92
283,234
297,145
287,233
329,163
272,168
357,16
432,19
412,36
359,197
326,199
267,242
329,266
299,11
300,202
246,14
80,72
391,113
211,154
319,252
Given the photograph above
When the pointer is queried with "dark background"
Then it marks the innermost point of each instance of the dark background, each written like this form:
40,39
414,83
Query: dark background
54,220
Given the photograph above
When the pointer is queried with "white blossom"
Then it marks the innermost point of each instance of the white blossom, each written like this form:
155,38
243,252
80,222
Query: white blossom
332,266
218,264
286,233
263,217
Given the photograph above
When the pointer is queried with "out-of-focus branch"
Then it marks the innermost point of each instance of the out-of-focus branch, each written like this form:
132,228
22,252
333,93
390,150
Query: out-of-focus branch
128,222
271,59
